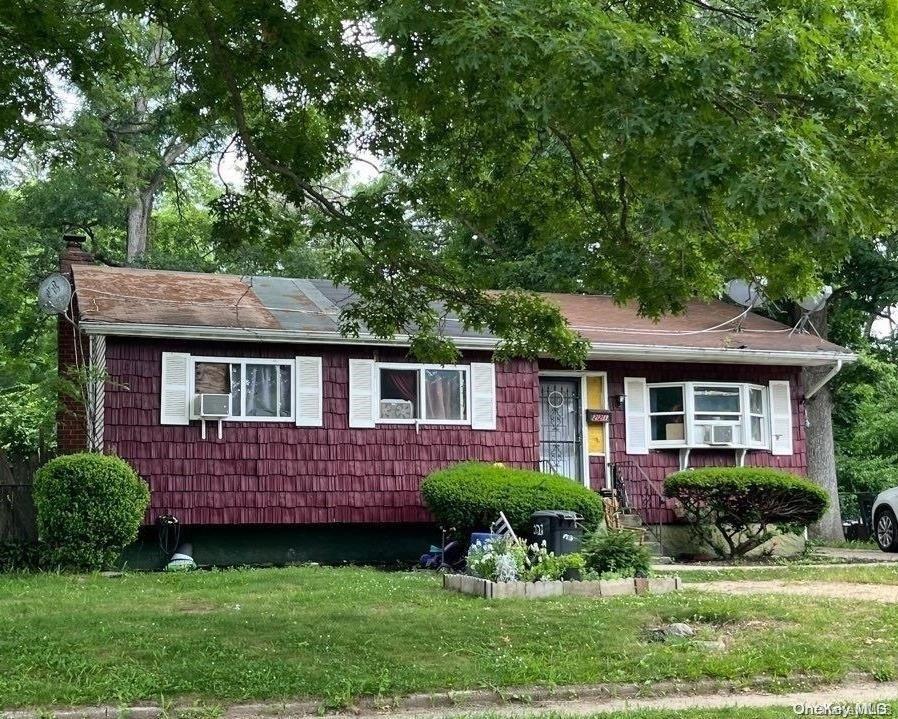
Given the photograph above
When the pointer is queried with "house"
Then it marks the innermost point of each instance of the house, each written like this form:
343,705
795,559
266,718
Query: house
241,404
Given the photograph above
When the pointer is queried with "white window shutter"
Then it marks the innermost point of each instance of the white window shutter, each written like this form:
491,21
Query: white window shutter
309,386
175,401
483,395
362,401
636,409
780,417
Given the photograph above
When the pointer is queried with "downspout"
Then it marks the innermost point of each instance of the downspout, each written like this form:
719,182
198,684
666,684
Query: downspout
829,375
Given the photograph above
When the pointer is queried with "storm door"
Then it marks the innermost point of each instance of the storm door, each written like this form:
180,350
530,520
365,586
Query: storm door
560,427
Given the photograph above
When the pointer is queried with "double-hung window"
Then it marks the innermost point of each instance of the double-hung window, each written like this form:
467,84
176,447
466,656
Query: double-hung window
706,414
259,389
422,393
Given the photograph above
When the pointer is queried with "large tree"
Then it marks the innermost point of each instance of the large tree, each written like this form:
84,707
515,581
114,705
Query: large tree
127,136
676,144
667,147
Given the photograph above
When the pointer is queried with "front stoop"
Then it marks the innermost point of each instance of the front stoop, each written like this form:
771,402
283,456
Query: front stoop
477,587
649,537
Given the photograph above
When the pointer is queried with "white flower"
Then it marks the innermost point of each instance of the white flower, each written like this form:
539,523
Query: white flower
506,568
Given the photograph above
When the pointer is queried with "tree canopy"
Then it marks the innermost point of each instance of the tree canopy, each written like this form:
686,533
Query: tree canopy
659,148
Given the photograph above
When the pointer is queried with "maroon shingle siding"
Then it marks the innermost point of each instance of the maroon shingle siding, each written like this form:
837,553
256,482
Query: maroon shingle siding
596,472
660,463
277,473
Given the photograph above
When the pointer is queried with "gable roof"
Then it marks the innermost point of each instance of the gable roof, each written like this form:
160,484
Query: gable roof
157,303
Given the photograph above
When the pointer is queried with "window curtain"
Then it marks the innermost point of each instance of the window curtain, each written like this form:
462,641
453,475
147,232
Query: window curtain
261,390
443,394
404,384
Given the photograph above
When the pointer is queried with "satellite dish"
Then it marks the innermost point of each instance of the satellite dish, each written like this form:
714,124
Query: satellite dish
815,302
54,294
747,294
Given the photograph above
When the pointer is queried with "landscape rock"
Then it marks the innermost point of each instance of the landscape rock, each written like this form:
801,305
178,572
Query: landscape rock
679,629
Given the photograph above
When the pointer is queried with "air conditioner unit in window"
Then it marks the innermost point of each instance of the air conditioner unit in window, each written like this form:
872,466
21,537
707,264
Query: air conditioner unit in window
214,406
721,434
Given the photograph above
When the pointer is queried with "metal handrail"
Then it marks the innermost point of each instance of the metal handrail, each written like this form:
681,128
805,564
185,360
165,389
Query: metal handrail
619,483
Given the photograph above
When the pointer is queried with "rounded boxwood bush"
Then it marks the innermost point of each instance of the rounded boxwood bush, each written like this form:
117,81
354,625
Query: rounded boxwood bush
470,495
89,507
744,503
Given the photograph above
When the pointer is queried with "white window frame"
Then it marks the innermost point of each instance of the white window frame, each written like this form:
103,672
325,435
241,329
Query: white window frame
243,361
660,443
742,420
420,368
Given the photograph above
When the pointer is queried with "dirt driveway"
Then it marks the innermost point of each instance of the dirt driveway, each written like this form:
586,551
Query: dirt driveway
887,593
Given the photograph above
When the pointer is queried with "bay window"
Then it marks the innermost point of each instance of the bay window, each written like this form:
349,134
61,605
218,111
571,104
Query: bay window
700,414
422,393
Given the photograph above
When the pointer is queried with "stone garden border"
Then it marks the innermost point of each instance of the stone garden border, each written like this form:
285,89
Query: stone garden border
538,590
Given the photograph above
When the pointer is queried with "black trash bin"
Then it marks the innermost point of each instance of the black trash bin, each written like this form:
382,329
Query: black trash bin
559,528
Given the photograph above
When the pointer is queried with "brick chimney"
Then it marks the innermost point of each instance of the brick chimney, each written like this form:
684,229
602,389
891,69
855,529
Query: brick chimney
73,253
71,427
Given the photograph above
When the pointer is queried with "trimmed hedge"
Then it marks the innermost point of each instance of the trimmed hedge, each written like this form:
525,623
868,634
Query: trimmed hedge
89,507
743,503
470,495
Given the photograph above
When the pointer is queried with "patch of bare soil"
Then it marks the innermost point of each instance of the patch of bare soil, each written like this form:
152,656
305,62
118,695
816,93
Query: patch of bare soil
831,590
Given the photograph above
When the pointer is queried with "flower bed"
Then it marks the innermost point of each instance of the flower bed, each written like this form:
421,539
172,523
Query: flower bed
477,587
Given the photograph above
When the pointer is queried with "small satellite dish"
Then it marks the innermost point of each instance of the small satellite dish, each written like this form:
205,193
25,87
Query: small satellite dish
54,294
815,302
747,294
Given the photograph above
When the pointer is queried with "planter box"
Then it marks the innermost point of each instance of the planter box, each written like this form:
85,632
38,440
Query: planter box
539,590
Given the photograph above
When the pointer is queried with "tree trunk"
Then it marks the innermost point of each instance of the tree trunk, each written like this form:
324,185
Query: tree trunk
821,450
139,214
821,455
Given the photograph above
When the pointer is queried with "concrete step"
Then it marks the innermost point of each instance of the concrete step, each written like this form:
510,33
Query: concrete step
633,521
654,548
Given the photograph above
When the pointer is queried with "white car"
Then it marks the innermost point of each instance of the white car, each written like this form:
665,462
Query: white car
885,520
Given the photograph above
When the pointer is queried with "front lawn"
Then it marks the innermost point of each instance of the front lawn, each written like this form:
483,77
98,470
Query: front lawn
219,637
865,574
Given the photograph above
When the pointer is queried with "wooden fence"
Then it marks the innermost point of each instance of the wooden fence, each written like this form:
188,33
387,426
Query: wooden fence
17,517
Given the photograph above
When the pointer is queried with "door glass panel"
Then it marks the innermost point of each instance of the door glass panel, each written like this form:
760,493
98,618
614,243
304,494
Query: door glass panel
560,428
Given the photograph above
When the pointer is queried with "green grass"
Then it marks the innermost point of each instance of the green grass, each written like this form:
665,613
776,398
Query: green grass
785,712
219,637
885,574
847,544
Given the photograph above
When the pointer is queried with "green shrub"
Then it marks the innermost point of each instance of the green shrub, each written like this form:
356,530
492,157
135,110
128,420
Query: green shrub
20,556
745,504
616,552
546,566
89,507
470,495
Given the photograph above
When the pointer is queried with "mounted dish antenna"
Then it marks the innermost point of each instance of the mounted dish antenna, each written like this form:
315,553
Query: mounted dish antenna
54,294
747,294
816,302
811,303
